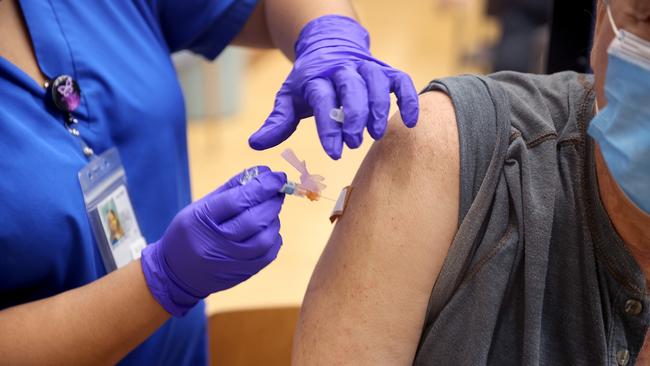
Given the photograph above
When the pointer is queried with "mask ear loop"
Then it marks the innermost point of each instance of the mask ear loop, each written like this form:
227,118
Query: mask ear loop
616,32
611,19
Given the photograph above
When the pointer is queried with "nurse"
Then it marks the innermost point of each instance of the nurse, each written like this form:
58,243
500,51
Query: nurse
89,98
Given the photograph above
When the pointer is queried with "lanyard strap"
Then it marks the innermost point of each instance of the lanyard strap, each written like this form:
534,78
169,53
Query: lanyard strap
66,96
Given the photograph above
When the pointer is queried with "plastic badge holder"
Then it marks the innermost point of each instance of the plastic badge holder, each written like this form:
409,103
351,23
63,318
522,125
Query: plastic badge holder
114,224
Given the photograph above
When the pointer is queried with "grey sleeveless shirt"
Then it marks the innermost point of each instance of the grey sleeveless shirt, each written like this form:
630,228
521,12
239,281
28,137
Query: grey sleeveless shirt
536,274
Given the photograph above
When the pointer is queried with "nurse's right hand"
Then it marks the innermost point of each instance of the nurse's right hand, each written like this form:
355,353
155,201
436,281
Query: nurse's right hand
217,242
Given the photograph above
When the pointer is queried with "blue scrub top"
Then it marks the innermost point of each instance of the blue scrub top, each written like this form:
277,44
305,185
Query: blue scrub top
118,51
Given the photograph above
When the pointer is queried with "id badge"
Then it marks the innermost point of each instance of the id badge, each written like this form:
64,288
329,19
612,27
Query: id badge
114,224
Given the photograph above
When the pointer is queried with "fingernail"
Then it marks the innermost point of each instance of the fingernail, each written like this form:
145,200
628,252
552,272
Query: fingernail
332,146
354,141
278,178
411,119
255,142
335,155
379,129
330,143
282,176
271,181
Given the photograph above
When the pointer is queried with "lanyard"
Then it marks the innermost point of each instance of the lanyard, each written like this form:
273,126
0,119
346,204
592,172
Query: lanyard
66,96
103,184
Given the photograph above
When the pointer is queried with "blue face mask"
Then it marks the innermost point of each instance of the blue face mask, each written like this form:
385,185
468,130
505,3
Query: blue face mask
622,129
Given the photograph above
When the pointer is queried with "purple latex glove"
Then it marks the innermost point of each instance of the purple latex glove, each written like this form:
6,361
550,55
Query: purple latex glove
216,242
334,68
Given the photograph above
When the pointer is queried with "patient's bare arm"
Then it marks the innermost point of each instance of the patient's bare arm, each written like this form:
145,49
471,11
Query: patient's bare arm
368,296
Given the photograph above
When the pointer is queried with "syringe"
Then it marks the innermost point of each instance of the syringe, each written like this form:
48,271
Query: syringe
296,189
290,188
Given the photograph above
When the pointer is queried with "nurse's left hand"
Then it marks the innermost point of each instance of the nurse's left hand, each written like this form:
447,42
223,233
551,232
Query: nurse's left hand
334,67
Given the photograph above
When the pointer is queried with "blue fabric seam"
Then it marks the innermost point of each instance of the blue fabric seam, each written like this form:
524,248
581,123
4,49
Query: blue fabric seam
72,60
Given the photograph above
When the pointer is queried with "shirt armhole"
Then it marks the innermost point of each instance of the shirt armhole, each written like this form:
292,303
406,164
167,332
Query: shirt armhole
482,115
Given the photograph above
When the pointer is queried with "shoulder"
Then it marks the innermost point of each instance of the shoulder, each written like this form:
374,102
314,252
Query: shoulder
492,112
378,268
554,104
517,189
531,103
435,135
542,105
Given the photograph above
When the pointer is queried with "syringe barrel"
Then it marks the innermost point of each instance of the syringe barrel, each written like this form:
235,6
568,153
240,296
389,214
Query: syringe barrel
288,188
293,189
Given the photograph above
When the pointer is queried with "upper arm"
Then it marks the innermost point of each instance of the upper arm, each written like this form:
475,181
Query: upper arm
368,296
256,30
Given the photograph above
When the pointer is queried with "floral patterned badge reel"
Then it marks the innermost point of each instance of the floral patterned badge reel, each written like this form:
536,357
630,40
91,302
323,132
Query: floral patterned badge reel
66,94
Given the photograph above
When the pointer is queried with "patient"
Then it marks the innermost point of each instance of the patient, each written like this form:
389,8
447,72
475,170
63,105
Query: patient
494,232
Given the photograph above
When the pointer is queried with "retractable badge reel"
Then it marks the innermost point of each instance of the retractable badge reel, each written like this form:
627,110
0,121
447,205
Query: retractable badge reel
103,183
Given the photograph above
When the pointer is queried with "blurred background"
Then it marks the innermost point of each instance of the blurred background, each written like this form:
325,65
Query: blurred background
229,99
